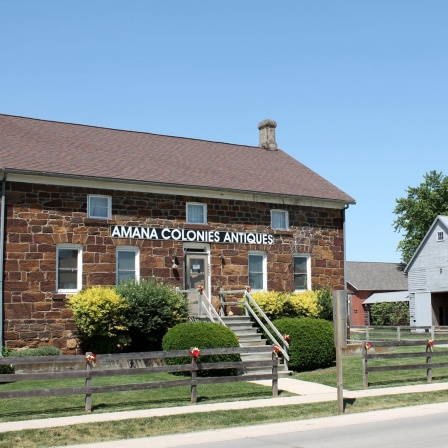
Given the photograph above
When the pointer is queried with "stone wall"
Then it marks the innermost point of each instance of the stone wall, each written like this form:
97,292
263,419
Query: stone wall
41,216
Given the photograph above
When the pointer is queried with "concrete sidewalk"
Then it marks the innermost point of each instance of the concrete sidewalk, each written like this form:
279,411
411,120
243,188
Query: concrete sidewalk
307,393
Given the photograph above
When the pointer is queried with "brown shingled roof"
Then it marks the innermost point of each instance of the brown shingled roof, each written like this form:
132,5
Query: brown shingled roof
47,147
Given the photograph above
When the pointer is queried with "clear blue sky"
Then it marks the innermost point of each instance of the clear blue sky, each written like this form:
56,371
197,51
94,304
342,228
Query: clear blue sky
359,88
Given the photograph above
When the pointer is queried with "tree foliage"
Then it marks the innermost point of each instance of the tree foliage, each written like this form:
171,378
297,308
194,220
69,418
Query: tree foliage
416,212
389,313
153,308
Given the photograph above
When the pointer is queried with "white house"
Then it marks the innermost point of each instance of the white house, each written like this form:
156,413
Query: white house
428,277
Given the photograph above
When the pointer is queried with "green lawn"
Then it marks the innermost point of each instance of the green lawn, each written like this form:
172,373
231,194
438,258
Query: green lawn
352,371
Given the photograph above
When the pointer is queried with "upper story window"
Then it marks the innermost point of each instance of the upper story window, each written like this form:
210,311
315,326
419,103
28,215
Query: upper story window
196,213
279,219
257,270
440,236
69,268
128,264
302,272
99,207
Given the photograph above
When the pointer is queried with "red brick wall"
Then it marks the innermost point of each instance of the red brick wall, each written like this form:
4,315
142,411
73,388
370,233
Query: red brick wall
40,216
357,299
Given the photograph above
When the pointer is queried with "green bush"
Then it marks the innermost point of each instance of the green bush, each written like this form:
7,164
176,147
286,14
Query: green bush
202,335
325,304
45,350
153,308
390,313
99,314
282,304
312,342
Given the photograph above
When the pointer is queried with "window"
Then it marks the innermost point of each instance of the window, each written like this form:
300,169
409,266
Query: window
99,207
302,277
196,213
69,267
279,219
257,271
128,264
440,236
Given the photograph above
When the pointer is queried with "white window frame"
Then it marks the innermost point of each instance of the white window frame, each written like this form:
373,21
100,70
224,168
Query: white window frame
77,247
308,271
90,210
440,235
136,252
264,267
204,211
285,213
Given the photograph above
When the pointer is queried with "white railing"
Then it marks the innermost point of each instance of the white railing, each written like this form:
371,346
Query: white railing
253,309
204,304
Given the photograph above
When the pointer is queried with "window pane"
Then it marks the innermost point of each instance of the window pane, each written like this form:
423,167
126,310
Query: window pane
300,281
195,213
125,265
67,269
300,273
68,280
99,207
123,276
256,280
68,259
278,220
255,263
256,271
126,260
299,265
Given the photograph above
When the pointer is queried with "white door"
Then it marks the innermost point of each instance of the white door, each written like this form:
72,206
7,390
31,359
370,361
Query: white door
196,274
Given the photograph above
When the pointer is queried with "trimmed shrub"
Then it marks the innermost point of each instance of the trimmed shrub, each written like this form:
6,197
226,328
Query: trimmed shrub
99,314
389,313
312,342
202,335
281,304
153,308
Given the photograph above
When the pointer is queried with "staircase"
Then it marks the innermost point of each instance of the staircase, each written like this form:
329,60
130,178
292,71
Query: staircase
248,336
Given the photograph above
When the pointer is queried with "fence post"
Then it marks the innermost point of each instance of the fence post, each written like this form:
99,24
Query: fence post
88,404
432,332
275,375
194,375
398,334
365,379
429,361
367,333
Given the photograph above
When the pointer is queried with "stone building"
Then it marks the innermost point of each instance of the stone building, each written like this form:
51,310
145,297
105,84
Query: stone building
84,206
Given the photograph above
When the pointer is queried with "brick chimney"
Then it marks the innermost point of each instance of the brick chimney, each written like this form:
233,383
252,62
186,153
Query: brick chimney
267,135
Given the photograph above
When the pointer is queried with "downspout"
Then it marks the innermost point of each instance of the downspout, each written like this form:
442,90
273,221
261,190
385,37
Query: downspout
2,257
345,270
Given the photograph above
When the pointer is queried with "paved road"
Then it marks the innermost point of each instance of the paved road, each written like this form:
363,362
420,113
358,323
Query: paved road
396,428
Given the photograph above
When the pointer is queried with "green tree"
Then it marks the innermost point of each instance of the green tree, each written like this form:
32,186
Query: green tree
416,212
389,313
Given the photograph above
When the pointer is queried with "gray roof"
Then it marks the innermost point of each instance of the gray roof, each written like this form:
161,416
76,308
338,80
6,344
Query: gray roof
48,148
394,296
376,276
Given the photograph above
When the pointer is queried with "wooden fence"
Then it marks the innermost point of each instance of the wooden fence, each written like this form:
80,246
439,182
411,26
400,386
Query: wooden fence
428,354
136,364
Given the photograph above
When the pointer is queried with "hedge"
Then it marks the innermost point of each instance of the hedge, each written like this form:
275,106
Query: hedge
202,335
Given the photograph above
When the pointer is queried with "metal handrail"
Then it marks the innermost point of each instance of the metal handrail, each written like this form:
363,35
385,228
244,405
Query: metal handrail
210,310
283,345
251,302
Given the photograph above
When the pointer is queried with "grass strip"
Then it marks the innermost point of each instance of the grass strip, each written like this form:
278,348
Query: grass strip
156,426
